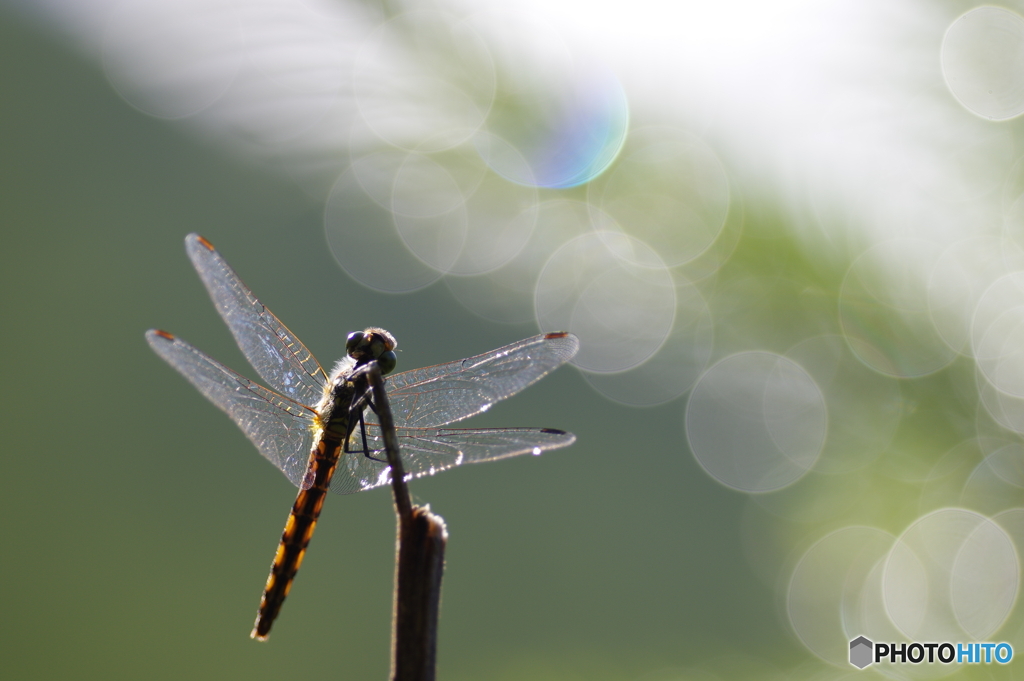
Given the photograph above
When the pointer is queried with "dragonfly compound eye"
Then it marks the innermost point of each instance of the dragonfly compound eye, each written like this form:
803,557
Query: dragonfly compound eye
387,362
354,339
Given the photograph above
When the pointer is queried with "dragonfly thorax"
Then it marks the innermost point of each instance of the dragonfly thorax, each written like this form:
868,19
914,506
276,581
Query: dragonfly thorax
335,406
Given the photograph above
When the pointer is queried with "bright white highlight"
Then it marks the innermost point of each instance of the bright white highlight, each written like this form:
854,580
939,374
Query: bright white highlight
983,62
756,422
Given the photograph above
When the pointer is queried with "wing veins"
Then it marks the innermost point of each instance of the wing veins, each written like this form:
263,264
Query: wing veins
276,353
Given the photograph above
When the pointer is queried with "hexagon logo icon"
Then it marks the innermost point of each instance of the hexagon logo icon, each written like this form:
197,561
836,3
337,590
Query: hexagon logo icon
861,650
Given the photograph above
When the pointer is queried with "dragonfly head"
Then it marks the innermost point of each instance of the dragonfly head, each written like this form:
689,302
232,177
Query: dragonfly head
373,343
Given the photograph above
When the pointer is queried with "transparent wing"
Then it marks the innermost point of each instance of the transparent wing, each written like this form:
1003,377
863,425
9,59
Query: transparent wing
426,451
282,429
445,393
272,350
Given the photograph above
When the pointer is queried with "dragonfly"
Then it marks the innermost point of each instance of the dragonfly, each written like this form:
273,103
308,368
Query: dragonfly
319,429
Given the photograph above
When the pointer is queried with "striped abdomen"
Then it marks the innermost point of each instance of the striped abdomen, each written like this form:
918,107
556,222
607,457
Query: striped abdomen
296,535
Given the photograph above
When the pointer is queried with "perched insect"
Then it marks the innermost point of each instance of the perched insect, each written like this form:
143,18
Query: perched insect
319,429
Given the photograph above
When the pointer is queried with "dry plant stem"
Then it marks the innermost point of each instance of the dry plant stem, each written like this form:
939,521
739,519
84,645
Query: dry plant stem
420,563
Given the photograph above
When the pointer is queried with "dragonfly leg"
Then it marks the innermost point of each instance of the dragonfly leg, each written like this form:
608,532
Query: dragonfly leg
356,415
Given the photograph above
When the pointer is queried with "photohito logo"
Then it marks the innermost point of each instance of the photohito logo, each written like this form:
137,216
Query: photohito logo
864,652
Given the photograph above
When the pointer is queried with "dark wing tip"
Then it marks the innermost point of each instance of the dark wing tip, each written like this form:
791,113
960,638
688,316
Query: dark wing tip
566,343
553,431
153,333
199,240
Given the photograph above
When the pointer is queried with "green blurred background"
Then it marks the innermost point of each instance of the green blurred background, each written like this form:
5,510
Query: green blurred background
140,523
